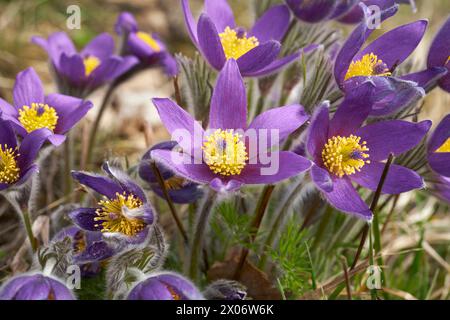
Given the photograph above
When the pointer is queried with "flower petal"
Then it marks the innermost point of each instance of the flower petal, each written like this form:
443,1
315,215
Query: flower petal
30,146
440,48
103,185
440,134
209,42
440,163
28,89
398,180
393,136
7,135
312,11
272,25
8,109
274,66
427,79
259,57
84,218
72,68
219,185
189,21
56,44
321,178
124,181
229,100
318,132
220,13
101,47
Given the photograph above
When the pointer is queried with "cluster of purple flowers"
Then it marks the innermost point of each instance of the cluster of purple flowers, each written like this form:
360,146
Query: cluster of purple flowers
347,148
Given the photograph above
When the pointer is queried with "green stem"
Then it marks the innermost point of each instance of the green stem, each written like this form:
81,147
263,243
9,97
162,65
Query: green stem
68,165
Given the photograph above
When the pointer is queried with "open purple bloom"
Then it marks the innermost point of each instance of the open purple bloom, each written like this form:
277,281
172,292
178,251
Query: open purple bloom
439,148
17,162
378,61
165,286
34,110
81,73
344,152
149,48
231,154
180,190
123,213
219,39
35,287
89,249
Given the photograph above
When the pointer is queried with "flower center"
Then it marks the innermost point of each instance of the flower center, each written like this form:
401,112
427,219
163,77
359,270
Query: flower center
225,152
9,171
38,116
149,40
235,43
90,64
345,155
113,219
445,147
368,65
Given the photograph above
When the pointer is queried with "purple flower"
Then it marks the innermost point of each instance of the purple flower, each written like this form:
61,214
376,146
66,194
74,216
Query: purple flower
165,286
441,187
221,157
344,152
123,213
377,62
438,148
83,72
35,287
219,39
147,47
439,56
180,189
17,162
89,249
34,110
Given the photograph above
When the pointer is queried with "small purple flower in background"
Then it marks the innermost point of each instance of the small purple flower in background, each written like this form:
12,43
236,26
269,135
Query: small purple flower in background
219,39
81,73
147,47
124,213
165,286
377,62
439,148
17,162
35,287
180,189
223,159
89,249
33,110
344,152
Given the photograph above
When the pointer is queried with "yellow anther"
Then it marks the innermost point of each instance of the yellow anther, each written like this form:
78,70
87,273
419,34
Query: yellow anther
149,40
368,65
234,45
445,147
9,171
38,116
90,64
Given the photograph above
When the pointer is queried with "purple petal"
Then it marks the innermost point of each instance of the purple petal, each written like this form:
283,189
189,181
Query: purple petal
124,181
57,139
274,66
101,47
283,120
189,21
343,7
126,23
30,146
318,132
398,180
103,185
72,68
440,163
287,165
106,71
28,89
345,198
84,218
7,135
393,136
440,135
439,53
272,25
8,109
321,178
209,42
27,174
139,47
56,45
229,100
176,120
97,251
259,57
395,46
220,13
426,79
312,11
219,185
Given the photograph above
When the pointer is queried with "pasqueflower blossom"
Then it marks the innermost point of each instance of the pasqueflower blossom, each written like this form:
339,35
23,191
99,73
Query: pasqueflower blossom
219,39
88,248
438,148
81,73
222,156
148,47
377,63
180,190
123,213
165,286
17,162
34,110
35,287
343,152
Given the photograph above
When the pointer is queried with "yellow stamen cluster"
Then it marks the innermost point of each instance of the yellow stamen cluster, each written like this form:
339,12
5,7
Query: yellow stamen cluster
345,155
90,64
149,40
9,171
113,218
234,46
38,116
174,183
224,152
366,67
445,147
